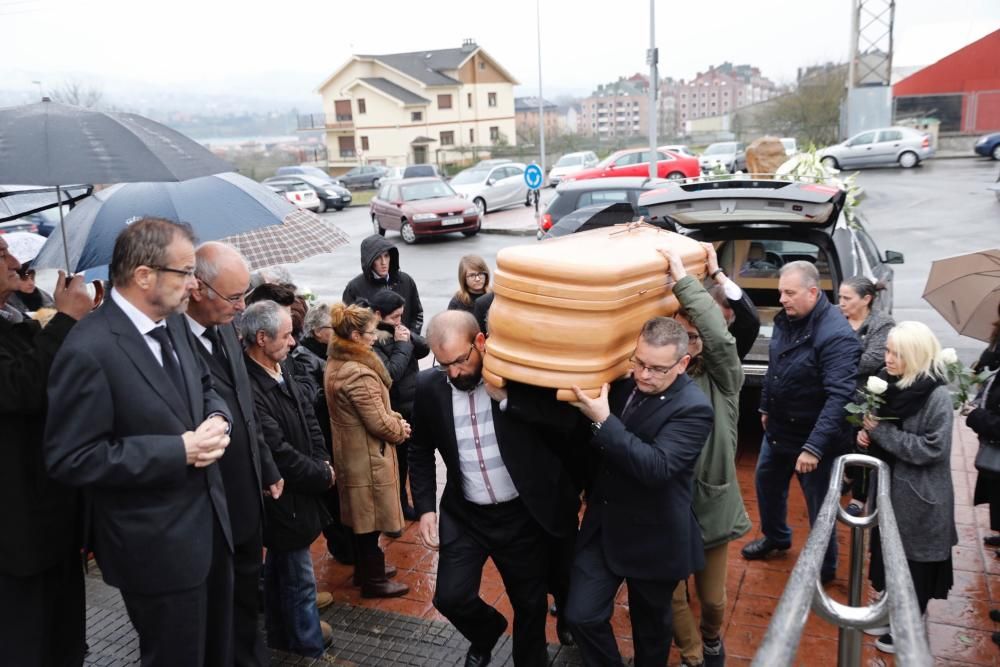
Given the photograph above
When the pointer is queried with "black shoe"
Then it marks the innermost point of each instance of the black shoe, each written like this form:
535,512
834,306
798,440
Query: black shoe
476,659
995,615
714,653
996,638
762,548
563,633
992,540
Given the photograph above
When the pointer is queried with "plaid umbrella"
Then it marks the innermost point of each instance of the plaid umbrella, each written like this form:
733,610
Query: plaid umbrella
965,290
300,235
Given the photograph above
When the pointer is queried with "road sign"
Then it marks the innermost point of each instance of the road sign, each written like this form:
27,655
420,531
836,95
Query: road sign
533,176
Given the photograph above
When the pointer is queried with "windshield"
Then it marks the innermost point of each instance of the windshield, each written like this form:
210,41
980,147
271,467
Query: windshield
719,149
569,161
426,190
470,176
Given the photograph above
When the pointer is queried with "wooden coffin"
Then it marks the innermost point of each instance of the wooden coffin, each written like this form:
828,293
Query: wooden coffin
567,311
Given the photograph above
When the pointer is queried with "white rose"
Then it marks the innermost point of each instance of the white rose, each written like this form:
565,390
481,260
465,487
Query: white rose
949,356
876,385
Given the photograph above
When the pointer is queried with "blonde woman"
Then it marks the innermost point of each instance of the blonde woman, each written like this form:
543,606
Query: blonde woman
912,433
365,432
473,283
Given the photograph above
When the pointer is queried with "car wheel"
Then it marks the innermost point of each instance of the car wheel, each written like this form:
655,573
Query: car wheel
675,176
996,152
474,231
378,227
406,231
480,204
322,207
908,160
830,162
375,183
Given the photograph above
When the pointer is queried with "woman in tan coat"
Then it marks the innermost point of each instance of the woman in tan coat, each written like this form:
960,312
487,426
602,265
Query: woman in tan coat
364,434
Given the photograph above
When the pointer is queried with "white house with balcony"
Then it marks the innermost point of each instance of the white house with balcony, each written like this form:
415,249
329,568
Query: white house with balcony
411,108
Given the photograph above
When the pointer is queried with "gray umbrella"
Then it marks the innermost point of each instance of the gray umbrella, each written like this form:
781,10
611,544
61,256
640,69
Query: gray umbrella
55,144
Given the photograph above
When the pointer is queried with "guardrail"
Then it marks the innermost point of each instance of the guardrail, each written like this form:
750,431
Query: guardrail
804,590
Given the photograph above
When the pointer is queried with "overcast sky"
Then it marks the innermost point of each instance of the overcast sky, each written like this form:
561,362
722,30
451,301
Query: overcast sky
584,42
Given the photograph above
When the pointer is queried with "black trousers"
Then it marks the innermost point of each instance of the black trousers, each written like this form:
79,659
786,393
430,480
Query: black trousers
517,544
192,627
42,617
592,591
249,649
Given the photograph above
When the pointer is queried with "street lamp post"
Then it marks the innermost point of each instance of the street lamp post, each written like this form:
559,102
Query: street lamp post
654,84
541,99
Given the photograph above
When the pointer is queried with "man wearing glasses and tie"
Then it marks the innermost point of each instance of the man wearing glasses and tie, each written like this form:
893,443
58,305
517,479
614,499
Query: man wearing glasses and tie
648,431
133,419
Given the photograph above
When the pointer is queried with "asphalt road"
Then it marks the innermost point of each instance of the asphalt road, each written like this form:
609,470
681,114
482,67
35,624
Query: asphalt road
937,210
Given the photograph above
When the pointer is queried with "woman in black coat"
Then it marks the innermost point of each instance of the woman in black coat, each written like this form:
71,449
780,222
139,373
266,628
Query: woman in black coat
983,417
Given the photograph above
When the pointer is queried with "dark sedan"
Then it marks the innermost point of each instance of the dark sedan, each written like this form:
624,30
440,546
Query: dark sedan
330,195
989,146
573,195
367,176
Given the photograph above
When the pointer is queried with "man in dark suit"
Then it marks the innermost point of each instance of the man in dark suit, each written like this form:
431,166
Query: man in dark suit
42,615
133,419
639,526
247,468
507,490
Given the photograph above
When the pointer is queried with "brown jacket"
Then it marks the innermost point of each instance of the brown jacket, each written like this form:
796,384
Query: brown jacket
364,432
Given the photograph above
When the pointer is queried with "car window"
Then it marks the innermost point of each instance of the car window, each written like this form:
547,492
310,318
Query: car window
664,157
868,246
426,190
394,193
601,197
500,173
890,135
627,159
863,139
514,171
383,192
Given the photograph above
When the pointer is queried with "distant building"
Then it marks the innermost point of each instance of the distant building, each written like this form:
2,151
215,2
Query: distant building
569,118
406,108
617,110
721,90
526,117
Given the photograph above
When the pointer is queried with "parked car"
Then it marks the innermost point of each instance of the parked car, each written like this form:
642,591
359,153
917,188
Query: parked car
791,146
635,162
760,225
421,170
305,170
393,173
680,149
595,216
367,176
492,188
329,195
573,195
18,225
298,193
493,162
570,164
988,145
882,147
422,207
731,155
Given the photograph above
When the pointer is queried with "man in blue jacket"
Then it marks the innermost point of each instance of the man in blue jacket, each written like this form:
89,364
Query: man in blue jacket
813,360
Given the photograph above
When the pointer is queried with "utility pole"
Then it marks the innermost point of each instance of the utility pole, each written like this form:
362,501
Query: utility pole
869,71
654,88
541,99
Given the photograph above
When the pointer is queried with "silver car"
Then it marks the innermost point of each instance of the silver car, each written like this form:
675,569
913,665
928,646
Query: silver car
730,155
492,187
876,148
570,164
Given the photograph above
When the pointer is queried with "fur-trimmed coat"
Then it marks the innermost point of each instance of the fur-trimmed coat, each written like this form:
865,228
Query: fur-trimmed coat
365,431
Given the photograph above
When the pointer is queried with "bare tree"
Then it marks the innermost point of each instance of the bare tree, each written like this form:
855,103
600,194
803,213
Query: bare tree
78,94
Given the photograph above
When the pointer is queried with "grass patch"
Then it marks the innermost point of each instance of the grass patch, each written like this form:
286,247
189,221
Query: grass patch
362,197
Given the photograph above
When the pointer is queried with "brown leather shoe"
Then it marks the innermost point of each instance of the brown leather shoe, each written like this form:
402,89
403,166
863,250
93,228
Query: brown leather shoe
323,599
383,589
390,572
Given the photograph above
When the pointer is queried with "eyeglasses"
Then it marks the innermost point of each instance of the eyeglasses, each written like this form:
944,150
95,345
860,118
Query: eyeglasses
475,276
233,300
187,273
443,367
659,371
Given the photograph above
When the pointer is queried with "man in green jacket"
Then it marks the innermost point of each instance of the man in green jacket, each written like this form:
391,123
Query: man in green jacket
717,503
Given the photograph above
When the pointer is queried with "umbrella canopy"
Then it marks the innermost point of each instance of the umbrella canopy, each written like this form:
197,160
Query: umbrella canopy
263,225
24,245
55,144
20,200
966,291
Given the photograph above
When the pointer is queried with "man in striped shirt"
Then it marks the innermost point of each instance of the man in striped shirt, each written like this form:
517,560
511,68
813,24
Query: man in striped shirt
507,491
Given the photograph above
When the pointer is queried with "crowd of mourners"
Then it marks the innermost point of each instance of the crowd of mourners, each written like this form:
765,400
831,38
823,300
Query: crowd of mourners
198,430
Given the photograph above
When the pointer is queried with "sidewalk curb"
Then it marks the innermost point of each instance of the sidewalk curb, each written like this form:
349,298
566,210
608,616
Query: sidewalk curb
509,232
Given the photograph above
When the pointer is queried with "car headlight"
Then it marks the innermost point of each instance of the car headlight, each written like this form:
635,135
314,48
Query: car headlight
982,140
332,193
424,217
472,210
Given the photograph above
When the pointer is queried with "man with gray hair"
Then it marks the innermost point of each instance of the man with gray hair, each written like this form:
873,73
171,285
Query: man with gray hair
295,518
813,360
648,430
134,419
247,469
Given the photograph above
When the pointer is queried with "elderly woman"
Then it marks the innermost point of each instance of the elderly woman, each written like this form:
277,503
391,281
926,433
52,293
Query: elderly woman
912,433
856,300
473,283
716,501
365,432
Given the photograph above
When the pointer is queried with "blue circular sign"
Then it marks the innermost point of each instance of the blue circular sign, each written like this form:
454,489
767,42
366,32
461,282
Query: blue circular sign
533,176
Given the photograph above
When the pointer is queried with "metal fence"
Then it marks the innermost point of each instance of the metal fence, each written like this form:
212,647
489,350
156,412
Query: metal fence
898,604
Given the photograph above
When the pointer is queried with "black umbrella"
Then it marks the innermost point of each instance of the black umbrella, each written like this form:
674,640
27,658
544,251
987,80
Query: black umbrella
55,144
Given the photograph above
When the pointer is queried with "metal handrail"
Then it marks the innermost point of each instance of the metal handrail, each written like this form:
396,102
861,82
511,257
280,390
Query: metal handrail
804,589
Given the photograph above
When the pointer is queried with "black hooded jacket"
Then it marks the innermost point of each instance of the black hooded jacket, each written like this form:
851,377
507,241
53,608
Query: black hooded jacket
366,285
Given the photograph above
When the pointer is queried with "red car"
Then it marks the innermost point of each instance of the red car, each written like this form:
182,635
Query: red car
635,162
422,207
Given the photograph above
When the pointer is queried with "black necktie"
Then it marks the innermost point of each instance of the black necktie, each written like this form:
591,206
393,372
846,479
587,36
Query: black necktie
170,365
212,334
635,399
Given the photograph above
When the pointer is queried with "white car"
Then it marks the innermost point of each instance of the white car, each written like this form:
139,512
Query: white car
882,147
570,164
791,146
299,194
680,149
492,187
